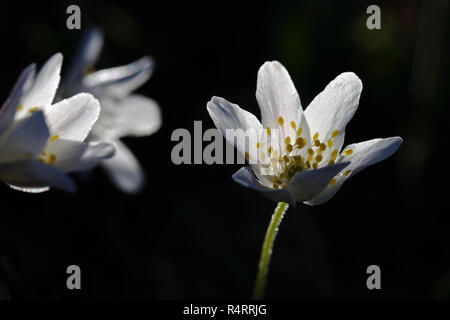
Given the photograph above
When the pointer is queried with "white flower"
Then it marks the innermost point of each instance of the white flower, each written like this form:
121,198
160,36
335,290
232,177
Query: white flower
305,163
41,142
122,113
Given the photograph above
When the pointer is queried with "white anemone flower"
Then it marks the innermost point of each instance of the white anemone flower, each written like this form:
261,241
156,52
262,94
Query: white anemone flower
306,161
39,141
122,112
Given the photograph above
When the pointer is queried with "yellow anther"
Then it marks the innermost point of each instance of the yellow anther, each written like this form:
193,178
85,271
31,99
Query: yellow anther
317,142
319,158
316,136
347,173
333,181
331,162
280,121
335,133
287,140
293,125
51,158
275,186
311,151
34,109
334,153
299,131
348,152
308,164
247,155
269,151
56,137
300,142
289,148
268,131
330,143
19,107
286,159
315,165
323,146
297,159
258,145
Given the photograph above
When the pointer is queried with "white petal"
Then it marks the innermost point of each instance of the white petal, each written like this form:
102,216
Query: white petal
73,118
25,139
124,170
277,96
308,184
246,177
134,115
227,115
77,156
11,104
364,154
32,175
86,55
332,109
44,87
118,82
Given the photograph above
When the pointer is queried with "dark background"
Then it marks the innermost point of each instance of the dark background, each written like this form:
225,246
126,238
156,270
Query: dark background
193,232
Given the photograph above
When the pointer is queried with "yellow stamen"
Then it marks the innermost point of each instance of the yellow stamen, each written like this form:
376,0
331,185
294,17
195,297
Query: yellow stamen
280,121
348,152
56,137
335,133
333,181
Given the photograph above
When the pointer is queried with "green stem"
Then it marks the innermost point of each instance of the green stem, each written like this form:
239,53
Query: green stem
266,253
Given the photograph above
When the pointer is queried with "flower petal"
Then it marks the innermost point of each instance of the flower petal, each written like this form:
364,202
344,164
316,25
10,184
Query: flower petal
124,169
77,156
73,118
331,110
25,139
134,115
308,184
43,90
276,95
246,177
226,115
34,176
118,82
364,154
86,55
9,108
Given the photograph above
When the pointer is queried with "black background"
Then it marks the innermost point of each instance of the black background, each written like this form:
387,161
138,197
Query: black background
193,232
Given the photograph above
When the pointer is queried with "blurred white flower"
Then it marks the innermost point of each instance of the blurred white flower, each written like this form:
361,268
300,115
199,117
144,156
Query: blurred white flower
306,163
122,113
41,142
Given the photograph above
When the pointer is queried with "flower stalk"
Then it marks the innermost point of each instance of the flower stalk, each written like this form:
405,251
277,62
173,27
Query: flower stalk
266,253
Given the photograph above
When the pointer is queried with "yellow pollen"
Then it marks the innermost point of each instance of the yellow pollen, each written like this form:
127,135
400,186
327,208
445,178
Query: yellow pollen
297,159
315,165
19,107
287,140
316,142
319,158
308,164
280,121
289,148
56,137
257,145
330,143
323,146
268,131
348,152
247,155
333,181
269,151
331,162
316,136
34,109
334,153
311,151
299,131
293,125
347,173
300,142
286,159
51,158
335,133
